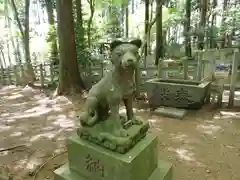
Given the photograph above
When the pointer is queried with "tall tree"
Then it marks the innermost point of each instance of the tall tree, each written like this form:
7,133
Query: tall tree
69,78
202,23
52,34
213,23
223,23
29,75
80,21
159,32
147,3
126,20
90,20
187,23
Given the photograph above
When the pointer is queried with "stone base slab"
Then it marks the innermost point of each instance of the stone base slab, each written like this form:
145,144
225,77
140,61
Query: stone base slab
162,172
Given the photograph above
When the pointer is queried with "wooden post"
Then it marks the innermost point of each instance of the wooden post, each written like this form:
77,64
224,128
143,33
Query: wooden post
51,73
185,67
199,65
160,69
102,69
233,79
2,76
213,65
21,71
209,65
220,94
41,75
137,80
44,70
15,71
9,75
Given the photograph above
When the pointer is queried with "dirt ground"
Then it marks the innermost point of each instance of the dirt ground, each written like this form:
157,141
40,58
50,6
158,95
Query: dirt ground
203,146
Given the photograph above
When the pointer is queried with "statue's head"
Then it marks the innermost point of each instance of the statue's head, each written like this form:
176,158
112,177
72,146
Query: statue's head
125,54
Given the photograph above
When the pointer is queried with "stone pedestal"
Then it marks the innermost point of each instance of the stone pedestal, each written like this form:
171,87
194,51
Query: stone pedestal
88,161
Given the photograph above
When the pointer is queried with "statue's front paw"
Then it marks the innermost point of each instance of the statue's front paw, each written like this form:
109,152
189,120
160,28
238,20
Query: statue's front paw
120,133
87,120
137,121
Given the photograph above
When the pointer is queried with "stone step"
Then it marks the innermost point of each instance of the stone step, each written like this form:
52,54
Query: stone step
171,112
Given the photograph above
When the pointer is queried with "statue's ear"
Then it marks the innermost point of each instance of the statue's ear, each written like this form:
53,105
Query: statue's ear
136,42
115,44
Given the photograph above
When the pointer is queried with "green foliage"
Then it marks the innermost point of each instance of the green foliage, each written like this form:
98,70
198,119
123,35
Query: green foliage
175,50
1,5
107,3
113,25
213,31
172,10
51,35
44,2
85,56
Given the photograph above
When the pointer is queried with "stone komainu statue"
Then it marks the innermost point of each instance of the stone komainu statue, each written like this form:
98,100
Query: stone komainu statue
101,122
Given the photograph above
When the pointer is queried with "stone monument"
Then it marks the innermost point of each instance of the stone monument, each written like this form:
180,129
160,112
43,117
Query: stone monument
110,146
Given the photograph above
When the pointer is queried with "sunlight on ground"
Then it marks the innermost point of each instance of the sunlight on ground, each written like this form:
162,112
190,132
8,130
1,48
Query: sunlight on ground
185,154
26,163
16,96
227,115
208,129
179,137
48,135
4,128
63,122
16,134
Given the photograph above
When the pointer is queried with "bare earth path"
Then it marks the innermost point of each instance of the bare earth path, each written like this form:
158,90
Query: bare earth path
204,146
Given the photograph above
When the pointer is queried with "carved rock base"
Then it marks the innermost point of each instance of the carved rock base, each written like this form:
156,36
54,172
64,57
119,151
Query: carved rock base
99,135
88,161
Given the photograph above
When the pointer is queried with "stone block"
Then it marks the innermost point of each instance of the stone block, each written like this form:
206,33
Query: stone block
95,162
186,94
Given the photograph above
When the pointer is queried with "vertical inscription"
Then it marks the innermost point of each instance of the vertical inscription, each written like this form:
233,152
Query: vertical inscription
94,165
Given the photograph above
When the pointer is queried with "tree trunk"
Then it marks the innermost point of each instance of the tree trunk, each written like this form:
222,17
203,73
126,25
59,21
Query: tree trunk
92,10
188,50
52,33
225,3
69,77
126,20
122,17
133,8
146,26
28,76
159,35
80,20
7,25
26,32
213,22
202,23
3,59
29,68
236,2
6,11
